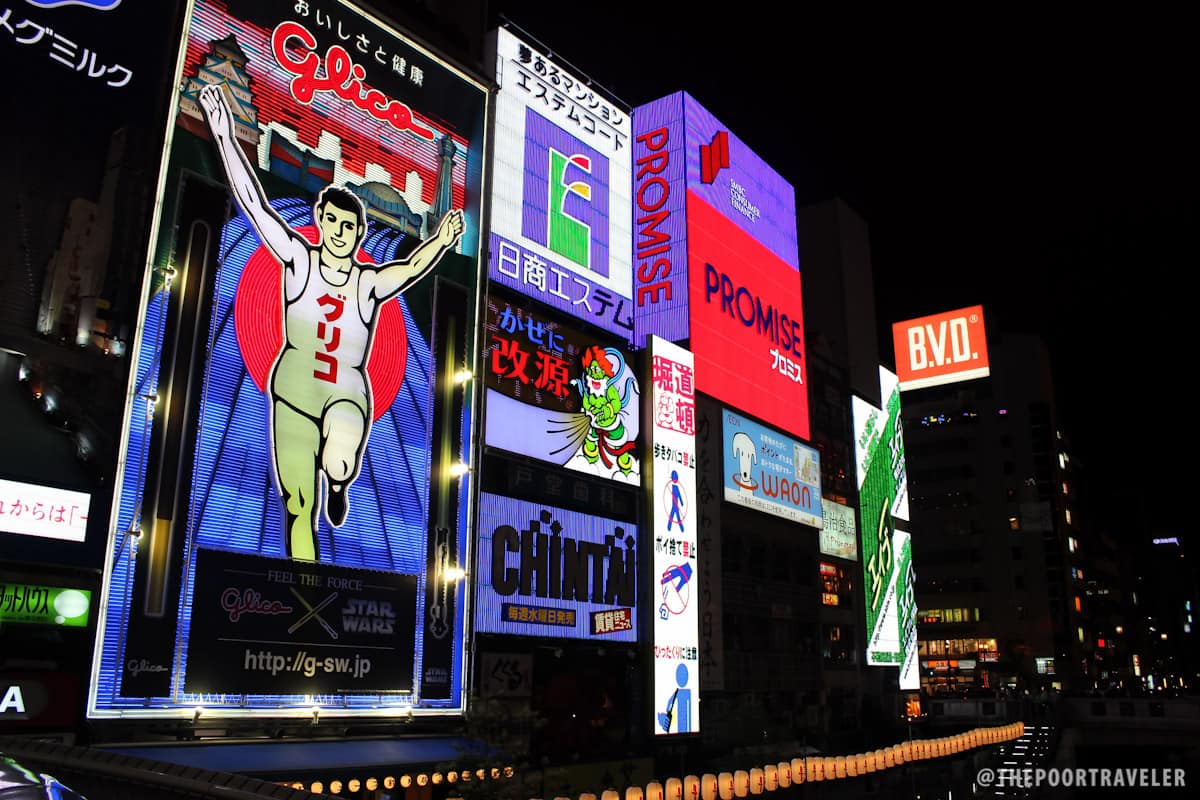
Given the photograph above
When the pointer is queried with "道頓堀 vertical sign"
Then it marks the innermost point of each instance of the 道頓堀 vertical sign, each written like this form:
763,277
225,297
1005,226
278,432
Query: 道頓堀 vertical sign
675,591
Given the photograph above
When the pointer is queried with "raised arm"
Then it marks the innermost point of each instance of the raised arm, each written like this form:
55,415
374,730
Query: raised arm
396,276
285,244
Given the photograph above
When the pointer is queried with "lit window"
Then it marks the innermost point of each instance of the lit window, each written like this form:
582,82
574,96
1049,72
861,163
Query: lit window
1068,516
1078,604
1079,633
1014,524
1065,488
1062,460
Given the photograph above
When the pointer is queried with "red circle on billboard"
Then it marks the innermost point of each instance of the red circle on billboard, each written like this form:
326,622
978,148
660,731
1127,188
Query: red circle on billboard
258,320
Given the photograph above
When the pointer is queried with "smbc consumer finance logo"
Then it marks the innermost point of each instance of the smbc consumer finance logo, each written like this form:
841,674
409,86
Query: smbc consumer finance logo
566,195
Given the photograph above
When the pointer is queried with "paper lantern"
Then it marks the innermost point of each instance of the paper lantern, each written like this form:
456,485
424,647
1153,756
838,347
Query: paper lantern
830,764
852,770
771,777
814,769
633,793
784,772
674,789
691,787
741,783
725,785
708,786
798,771
654,791
610,794
757,781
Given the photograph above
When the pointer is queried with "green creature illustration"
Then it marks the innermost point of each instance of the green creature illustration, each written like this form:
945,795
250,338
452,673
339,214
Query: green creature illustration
607,440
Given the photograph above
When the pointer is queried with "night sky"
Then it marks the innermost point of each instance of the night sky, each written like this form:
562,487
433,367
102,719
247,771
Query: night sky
1043,166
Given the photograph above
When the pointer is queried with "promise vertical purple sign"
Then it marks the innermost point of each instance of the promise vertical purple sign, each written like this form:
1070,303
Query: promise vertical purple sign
659,221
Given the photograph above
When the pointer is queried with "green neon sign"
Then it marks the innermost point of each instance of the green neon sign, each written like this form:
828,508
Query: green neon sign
44,605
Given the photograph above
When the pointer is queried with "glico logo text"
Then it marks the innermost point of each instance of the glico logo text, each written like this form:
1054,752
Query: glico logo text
342,77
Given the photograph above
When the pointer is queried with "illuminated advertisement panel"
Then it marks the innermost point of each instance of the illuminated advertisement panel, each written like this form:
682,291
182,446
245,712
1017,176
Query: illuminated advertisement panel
29,509
660,220
546,571
906,612
78,202
730,178
672,409
557,394
839,535
941,348
882,432
876,494
291,519
770,472
747,322
893,434
682,150
44,605
561,190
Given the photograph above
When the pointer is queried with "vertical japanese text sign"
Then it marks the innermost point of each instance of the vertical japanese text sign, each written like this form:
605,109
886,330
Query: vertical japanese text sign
675,590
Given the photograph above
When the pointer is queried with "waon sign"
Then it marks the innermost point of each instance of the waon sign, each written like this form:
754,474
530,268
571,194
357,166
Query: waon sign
941,348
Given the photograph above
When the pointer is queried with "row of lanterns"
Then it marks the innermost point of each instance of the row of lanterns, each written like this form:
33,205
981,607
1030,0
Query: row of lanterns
768,778
728,785
353,785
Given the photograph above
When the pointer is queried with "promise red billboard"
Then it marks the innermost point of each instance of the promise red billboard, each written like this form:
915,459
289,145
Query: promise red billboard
747,321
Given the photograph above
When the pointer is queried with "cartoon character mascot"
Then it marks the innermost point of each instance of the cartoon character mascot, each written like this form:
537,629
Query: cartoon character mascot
604,396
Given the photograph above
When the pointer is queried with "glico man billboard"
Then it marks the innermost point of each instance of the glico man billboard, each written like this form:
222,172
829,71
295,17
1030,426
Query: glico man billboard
291,518
715,260
560,218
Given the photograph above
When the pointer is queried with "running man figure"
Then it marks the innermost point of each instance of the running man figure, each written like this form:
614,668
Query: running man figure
321,403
